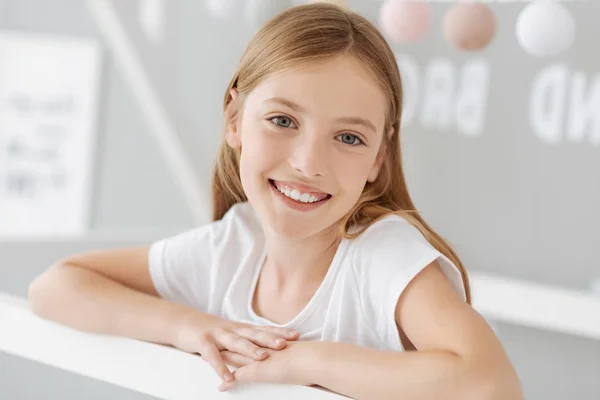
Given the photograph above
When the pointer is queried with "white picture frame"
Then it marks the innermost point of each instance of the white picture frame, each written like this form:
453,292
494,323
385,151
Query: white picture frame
49,95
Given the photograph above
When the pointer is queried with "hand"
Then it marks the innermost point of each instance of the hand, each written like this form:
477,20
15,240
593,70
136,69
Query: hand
209,335
285,366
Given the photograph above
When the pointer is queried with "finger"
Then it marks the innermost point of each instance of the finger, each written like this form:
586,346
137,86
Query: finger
284,333
212,355
245,374
225,386
238,344
235,359
263,338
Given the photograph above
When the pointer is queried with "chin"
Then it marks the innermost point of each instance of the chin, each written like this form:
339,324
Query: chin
291,228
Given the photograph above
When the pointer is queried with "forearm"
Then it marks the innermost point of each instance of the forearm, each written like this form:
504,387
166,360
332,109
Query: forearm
367,374
90,302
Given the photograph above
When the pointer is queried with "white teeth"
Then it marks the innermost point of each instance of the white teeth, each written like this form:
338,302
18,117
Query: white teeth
305,197
296,195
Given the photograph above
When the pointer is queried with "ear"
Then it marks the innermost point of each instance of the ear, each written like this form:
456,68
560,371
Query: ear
376,168
378,163
232,134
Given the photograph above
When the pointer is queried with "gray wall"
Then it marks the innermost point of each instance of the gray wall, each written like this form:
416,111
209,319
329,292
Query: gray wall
511,203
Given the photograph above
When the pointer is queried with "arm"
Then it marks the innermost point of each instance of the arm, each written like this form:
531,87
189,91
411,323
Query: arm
112,293
458,356
106,292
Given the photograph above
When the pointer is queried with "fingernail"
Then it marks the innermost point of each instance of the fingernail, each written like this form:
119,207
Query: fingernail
260,352
292,333
227,377
279,342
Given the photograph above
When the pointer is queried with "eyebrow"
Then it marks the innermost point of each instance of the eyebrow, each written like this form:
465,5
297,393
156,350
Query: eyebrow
298,108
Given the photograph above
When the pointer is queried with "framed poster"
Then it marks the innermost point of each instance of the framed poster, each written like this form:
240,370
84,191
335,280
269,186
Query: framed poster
49,89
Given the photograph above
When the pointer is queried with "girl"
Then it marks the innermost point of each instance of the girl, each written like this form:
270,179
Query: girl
317,269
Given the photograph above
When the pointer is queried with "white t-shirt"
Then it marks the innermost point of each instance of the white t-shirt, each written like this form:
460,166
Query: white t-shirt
214,268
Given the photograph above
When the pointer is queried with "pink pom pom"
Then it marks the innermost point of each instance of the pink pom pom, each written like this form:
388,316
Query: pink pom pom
405,21
470,26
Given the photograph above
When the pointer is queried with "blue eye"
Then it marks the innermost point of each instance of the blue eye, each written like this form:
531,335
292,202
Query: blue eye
282,121
351,139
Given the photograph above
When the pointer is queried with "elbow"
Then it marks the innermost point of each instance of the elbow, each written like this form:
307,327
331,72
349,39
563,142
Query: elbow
499,385
39,292
35,295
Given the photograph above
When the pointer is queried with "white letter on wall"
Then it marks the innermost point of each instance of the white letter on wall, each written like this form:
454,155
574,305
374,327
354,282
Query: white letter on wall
583,111
409,72
471,102
439,92
547,103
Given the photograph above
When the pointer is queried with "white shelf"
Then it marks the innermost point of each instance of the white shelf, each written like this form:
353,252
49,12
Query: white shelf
165,372
546,307
155,370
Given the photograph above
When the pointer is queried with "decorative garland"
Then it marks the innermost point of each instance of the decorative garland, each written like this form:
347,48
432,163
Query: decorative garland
544,28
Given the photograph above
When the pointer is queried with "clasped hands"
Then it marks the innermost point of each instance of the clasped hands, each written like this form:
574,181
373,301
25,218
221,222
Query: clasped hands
259,353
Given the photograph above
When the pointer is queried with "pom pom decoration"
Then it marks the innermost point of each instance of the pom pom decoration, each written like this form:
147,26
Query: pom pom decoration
545,28
258,12
405,21
221,8
339,3
470,26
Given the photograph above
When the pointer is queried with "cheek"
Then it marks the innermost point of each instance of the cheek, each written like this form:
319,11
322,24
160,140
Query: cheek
351,180
352,173
259,154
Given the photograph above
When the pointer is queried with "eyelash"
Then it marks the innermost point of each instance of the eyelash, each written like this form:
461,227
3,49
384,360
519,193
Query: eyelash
361,142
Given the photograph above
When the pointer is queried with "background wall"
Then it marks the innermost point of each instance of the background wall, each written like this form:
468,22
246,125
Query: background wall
514,198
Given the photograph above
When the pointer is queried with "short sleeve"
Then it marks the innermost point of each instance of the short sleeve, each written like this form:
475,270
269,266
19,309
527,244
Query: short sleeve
195,267
180,265
388,255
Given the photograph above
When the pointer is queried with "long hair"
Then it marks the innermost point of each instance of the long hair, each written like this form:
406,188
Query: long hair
317,32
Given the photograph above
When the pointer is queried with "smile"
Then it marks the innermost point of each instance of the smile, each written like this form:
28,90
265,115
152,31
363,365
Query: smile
299,198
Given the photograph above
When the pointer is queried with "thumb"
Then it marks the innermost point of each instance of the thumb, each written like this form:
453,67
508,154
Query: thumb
246,374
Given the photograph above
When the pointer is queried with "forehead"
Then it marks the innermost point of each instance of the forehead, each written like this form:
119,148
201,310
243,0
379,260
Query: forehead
340,87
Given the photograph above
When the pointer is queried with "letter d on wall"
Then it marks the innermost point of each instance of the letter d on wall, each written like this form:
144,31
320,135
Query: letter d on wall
547,103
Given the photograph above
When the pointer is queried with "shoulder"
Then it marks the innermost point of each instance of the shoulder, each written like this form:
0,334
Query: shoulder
391,252
195,265
385,259
239,227
240,221
392,236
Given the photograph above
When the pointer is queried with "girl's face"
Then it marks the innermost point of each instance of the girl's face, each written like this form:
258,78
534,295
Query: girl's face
311,139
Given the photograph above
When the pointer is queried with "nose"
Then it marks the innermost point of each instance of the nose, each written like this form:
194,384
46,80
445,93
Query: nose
310,156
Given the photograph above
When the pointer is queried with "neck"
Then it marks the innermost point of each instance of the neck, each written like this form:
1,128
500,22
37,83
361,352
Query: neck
306,259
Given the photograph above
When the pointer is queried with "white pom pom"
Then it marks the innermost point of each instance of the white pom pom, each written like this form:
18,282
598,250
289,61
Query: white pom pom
221,8
545,28
258,12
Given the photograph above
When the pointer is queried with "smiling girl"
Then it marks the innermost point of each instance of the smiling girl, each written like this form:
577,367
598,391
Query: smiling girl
317,269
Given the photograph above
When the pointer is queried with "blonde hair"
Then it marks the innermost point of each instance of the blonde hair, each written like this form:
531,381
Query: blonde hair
318,32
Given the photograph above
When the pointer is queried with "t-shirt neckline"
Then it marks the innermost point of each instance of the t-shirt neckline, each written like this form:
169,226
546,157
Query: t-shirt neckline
314,301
